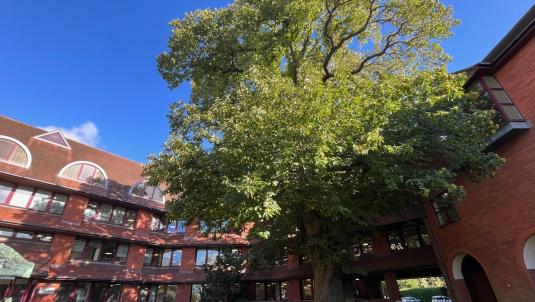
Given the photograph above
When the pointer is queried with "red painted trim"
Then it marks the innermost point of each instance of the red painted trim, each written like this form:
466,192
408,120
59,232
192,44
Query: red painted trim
10,196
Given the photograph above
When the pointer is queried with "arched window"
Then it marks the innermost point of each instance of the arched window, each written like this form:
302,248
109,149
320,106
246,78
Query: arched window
14,152
85,172
142,189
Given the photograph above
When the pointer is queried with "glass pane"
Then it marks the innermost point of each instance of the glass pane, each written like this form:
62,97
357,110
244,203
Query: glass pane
108,250
19,290
105,212
166,258
410,235
201,258
87,173
65,290
40,200
512,113
144,291
19,156
425,237
5,232
181,226
91,210
396,242
118,215
212,257
171,227
58,203
130,218
77,248
72,171
196,290
501,96
114,293
284,291
5,190
161,293
98,292
6,148
82,291
147,260
272,291
492,82
260,292
157,257
24,235
122,253
152,295
92,251
21,197
171,293
98,178
157,224
177,258
307,289
44,237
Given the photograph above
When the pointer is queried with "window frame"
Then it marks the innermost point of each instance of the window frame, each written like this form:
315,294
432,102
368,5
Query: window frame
34,235
444,209
486,88
302,288
51,199
96,216
88,163
144,183
84,252
21,145
157,292
207,249
278,284
399,231
71,296
158,262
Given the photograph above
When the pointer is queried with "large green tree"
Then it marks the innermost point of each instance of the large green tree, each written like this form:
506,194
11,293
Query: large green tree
310,117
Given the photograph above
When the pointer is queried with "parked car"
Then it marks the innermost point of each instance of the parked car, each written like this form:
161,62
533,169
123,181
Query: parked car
440,299
410,299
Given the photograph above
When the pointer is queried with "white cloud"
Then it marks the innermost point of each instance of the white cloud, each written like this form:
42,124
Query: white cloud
86,133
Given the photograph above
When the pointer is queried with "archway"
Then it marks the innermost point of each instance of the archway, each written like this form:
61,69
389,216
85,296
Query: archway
476,280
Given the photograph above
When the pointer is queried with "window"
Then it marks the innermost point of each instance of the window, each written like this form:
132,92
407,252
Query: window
157,223
176,226
162,257
28,235
490,87
413,236
85,172
364,248
307,289
32,198
196,291
86,291
157,293
98,250
108,213
271,291
445,211
14,152
206,257
143,190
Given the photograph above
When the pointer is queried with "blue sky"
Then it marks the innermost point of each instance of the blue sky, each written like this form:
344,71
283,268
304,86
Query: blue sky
88,67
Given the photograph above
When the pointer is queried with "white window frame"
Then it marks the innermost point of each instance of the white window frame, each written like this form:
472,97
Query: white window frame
81,181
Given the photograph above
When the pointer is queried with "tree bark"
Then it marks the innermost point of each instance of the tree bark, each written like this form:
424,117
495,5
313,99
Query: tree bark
328,285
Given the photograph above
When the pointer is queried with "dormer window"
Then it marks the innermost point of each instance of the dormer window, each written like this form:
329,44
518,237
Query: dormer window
489,87
143,190
85,172
14,152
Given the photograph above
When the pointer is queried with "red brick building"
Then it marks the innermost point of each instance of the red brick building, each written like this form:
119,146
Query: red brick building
96,232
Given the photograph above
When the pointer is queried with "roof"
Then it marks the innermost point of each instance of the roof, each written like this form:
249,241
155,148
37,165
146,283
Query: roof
48,159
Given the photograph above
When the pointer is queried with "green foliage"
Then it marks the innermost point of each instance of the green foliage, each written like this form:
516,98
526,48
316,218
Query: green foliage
223,280
307,118
429,282
424,294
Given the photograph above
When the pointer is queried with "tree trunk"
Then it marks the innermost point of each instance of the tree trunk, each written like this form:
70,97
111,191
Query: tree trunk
328,285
